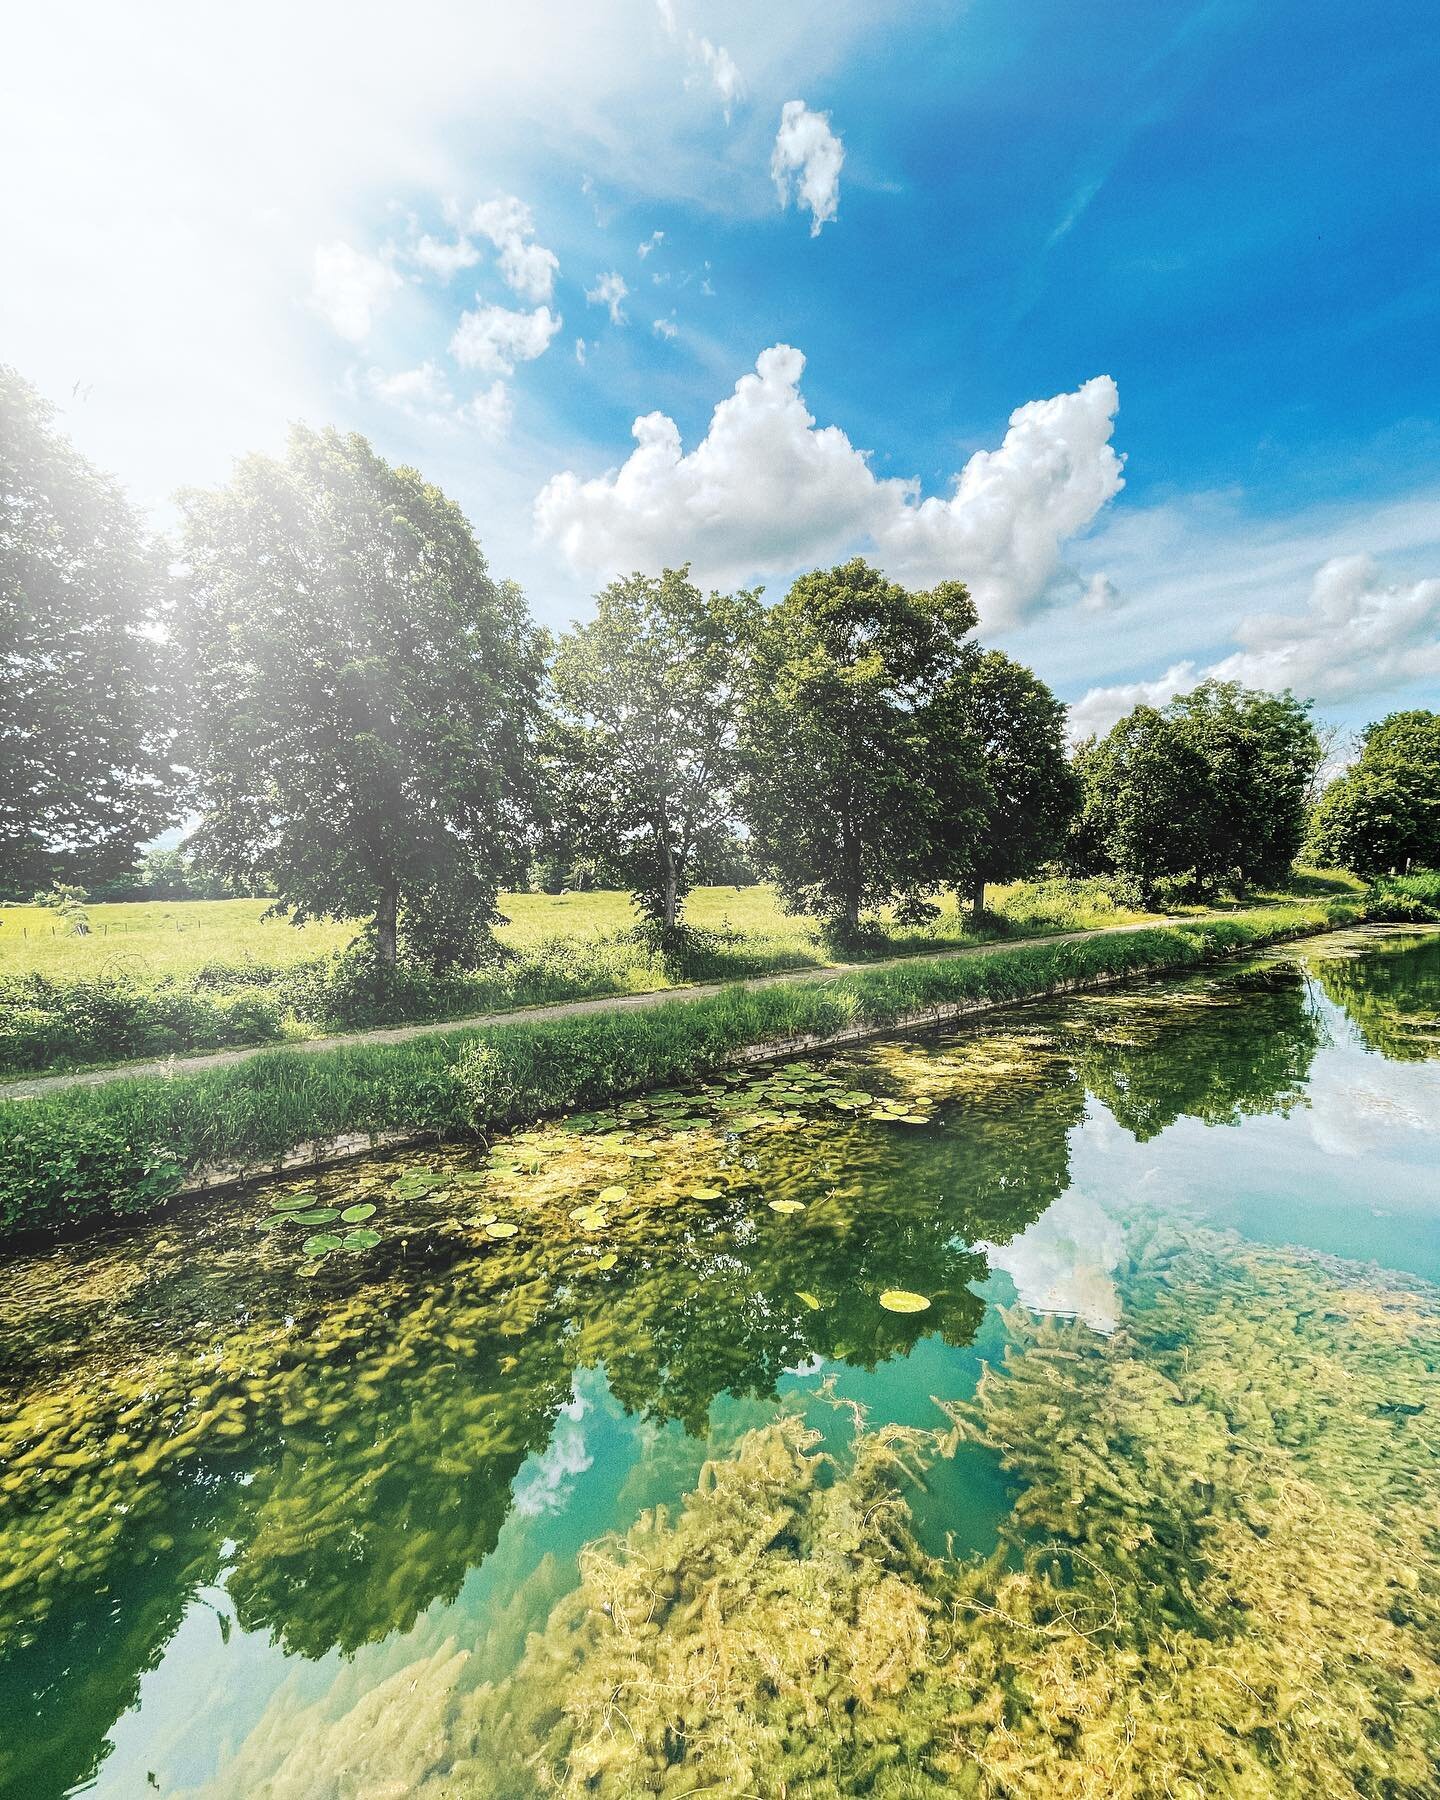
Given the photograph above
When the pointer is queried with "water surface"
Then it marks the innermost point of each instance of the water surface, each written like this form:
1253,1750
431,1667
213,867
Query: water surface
384,1520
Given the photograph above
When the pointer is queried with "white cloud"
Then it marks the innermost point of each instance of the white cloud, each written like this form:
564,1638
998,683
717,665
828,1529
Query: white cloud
807,161
493,339
580,351
665,328
766,491
350,289
726,76
424,394
666,9
1359,636
1100,595
439,258
609,290
653,242
527,267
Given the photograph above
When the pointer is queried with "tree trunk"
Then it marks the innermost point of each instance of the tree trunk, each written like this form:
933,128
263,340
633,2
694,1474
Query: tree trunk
977,899
852,913
669,886
386,917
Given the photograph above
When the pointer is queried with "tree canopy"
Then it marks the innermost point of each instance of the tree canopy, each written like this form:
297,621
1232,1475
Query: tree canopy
363,696
997,764
85,713
1384,812
1211,788
836,788
647,698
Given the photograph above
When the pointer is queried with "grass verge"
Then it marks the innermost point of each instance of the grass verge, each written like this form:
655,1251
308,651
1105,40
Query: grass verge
91,1153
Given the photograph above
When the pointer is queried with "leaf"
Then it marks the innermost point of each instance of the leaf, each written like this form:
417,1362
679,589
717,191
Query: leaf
610,1196
787,1206
317,1215
353,1214
607,1261
914,1119
364,1239
320,1244
275,1220
290,1202
501,1228
809,1299
707,1193
900,1300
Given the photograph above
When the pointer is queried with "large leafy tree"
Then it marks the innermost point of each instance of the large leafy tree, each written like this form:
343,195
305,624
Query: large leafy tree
1003,785
1384,812
647,699
1148,809
1262,751
837,792
85,775
1210,789
364,696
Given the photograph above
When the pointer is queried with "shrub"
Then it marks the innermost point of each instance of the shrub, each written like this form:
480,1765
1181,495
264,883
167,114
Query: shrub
53,1024
1404,899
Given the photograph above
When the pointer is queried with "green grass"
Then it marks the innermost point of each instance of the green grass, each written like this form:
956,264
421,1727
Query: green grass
92,1152
149,940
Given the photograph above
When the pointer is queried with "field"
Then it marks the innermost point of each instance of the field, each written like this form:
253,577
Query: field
153,939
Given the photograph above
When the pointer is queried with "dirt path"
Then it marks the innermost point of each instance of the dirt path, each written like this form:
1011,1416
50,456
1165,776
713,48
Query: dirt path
565,1009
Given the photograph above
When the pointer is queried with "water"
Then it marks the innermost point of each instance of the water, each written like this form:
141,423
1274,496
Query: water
273,1525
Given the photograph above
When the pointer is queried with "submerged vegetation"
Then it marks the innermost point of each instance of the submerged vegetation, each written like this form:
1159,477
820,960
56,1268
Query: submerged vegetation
88,1153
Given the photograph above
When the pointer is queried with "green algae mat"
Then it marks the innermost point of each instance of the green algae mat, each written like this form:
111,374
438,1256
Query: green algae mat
1048,1409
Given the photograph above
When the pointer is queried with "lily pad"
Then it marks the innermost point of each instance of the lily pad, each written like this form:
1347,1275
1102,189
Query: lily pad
352,1215
787,1206
611,1196
809,1299
292,1202
317,1215
607,1261
364,1239
321,1244
501,1228
707,1193
900,1300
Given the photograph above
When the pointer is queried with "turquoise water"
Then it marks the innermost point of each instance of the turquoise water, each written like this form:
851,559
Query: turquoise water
244,1501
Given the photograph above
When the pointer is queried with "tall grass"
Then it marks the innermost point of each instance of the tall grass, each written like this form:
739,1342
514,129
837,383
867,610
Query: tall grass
94,1152
1403,898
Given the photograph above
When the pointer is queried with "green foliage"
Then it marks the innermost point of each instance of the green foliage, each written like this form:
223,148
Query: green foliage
1384,813
836,791
647,697
1208,790
85,713
256,1112
364,696
1404,899
1004,788
48,1024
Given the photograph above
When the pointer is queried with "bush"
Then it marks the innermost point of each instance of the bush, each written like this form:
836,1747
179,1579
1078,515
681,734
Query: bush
93,1152
47,1024
1405,899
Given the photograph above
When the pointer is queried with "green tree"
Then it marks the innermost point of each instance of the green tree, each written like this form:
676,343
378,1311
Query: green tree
85,774
1262,751
647,698
364,696
1210,789
1384,813
996,758
836,790
1148,808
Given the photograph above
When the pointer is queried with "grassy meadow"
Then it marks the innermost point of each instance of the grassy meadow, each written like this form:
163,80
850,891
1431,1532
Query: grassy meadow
179,938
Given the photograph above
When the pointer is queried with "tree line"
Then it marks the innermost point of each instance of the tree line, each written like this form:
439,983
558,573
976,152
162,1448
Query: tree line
320,665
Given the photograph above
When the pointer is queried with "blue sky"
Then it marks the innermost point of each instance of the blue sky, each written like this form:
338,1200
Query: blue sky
1226,210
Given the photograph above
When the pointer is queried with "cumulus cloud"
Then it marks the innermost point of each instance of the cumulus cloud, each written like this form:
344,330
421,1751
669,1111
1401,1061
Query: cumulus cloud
1100,595
610,291
528,268
350,289
653,242
1359,636
423,393
767,490
665,328
806,162
493,339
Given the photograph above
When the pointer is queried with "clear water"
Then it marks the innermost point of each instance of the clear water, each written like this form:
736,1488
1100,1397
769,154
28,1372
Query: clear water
269,1525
